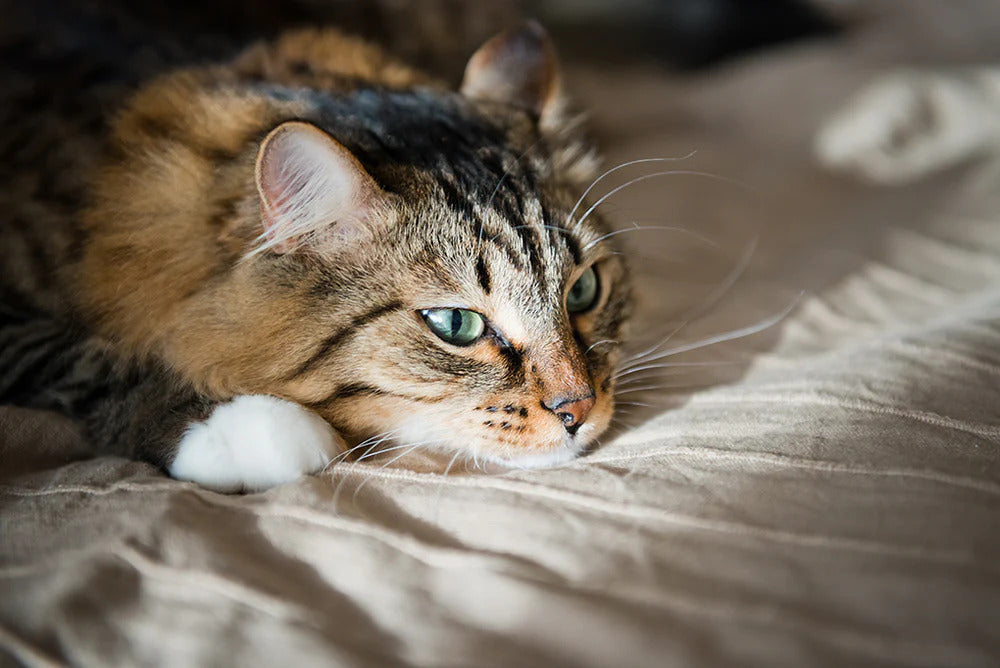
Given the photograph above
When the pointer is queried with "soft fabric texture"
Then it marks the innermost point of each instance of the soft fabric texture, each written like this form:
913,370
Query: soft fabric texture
828,496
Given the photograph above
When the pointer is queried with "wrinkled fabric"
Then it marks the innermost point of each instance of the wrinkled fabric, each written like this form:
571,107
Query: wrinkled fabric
823,492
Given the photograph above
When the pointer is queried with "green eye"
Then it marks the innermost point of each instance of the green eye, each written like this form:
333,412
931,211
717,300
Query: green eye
583,294
455,325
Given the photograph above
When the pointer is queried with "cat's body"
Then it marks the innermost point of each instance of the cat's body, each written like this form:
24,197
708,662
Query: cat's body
315,224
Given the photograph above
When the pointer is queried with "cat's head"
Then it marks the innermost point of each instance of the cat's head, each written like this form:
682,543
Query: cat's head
422,270
481,315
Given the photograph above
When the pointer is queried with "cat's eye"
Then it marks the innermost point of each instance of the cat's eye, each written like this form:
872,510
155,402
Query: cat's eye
456,326
583,294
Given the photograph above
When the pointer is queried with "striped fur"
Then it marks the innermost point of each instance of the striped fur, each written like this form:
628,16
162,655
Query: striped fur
177,310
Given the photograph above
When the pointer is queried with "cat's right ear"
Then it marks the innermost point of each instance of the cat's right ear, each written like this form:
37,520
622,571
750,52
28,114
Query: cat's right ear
517,67
312,190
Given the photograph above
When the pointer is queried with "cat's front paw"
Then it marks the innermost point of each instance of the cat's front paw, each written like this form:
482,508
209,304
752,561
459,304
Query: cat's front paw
254,442
905,126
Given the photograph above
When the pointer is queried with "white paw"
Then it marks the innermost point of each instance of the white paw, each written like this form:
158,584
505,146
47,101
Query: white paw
904,126
255,442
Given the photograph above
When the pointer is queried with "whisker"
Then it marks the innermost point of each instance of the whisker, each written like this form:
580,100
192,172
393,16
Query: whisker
642,228
372,444
554,228
668,365
646,177
713,298
410,447
382,452
378,438
663,386
618,168
594,345
731,335
437,500
503,178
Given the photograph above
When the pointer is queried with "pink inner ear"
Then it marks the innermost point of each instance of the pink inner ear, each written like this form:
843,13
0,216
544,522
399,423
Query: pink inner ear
516,67
309,185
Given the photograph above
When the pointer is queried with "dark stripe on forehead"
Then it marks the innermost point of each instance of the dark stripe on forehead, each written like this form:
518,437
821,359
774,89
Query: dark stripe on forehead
483,274
572,245
458,201
330,344
560,236
531,244
461,206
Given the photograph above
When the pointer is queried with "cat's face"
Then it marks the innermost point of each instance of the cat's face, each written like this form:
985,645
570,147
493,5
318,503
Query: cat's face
502,348
423,271
483,314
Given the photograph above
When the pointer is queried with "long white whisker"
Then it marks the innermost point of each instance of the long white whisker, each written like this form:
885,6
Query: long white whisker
410,447
618,168
546,227
646,177
730,335
642,228
667,365
437,500
594,345
378,438
382,452
503,178
663,386
713,298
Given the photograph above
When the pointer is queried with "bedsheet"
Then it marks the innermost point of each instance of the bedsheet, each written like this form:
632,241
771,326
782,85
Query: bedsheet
823,492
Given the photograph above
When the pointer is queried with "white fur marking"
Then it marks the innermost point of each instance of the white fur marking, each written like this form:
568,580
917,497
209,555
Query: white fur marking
255,442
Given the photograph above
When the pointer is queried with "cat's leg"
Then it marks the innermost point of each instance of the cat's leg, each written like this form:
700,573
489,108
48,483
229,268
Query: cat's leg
247,443
908,124
254,442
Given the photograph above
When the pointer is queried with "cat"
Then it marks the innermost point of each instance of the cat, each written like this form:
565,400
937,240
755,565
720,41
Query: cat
311,244
908,124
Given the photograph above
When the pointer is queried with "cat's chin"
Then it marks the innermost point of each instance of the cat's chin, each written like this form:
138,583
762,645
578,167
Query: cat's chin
562,454
538,461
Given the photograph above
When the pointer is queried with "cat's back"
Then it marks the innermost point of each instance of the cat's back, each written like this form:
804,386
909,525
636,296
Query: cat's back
64,69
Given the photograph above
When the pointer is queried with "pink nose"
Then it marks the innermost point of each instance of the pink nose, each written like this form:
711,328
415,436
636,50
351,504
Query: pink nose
573,411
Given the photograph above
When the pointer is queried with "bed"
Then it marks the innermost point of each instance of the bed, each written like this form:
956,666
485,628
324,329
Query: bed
825,491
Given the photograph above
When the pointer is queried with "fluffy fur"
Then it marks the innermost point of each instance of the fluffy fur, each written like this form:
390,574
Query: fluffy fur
254,442
275,224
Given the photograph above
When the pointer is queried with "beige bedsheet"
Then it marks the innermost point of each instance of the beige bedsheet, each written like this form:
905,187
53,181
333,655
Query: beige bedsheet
826,492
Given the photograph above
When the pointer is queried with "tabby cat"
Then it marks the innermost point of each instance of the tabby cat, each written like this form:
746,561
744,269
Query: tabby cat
309,245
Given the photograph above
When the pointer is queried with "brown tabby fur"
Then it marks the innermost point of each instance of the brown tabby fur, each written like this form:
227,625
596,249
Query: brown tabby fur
165,273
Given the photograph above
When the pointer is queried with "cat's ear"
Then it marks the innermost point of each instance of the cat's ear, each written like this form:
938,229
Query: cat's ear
517,67
312,189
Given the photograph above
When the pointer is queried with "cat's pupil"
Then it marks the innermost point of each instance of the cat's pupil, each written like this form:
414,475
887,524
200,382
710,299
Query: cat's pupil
457,326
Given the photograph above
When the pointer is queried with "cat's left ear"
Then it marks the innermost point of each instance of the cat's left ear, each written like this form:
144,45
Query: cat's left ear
313,191
517,67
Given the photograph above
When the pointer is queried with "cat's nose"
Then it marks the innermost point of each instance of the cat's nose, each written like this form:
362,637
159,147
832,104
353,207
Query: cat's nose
572,410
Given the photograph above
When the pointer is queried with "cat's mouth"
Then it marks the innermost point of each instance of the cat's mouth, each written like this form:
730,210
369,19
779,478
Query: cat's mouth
507,434
549,443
